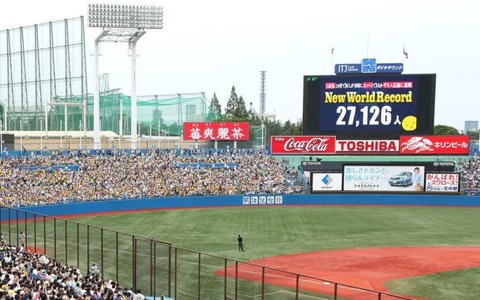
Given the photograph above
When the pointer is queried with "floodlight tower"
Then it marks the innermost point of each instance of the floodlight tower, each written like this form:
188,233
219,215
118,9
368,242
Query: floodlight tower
121,23
262,104
262,93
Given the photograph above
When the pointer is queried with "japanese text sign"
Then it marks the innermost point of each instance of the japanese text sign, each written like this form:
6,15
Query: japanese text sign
220,131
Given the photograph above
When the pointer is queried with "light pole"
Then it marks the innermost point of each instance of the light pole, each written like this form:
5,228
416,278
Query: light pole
5,109
80,127
158,133
1,139
41,137
167,141
61,135
121,23
21,134
150,138
96,99
139,134
120,126
263,135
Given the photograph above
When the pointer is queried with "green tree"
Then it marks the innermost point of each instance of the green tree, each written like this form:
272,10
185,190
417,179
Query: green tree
273,128
215,109
445,130
231,104
290,128
175,129
252,115
241,110
236,109
474,135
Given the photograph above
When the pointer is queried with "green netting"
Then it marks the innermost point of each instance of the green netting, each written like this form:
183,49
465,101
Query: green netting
156,114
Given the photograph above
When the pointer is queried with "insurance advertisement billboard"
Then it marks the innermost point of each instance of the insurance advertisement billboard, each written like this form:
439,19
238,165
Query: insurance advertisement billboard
442,182
384,178
380,105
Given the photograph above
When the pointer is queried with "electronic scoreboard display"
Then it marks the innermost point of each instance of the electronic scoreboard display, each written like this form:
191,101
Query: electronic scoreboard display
369,105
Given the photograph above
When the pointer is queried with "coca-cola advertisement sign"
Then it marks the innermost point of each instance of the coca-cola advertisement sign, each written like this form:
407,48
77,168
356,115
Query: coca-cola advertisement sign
303,145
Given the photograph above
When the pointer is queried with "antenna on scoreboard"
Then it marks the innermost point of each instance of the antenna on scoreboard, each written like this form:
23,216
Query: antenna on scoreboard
332,52
405,56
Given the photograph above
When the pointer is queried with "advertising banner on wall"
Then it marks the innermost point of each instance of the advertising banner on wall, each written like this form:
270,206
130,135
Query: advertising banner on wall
262,200
303,145
435,144
378,178
219,131
442,182
326,182
367,147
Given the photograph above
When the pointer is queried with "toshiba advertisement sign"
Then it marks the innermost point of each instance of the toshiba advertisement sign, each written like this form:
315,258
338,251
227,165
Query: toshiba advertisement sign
313,145
303,145
367,147
435,144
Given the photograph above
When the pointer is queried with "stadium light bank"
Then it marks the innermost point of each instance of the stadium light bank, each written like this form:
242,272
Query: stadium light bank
121,23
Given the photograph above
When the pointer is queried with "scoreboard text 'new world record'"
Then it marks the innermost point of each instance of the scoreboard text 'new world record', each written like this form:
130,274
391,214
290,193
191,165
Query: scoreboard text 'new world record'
369,105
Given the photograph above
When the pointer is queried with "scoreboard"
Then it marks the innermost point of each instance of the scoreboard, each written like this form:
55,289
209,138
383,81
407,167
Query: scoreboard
369,105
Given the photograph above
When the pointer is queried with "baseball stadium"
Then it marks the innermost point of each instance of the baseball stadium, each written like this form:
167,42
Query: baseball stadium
105,195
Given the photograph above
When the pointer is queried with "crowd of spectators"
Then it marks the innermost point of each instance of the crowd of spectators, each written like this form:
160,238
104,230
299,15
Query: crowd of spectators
26,275
80,176
470,175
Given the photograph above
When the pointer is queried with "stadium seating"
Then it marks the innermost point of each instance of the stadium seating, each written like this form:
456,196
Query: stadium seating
40,179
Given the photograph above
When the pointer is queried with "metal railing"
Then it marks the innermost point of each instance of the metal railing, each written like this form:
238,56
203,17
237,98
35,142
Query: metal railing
160,268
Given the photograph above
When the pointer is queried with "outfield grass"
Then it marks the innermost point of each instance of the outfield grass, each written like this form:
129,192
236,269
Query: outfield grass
270,231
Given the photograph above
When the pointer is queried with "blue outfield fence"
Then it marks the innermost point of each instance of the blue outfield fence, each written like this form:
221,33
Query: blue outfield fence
76,208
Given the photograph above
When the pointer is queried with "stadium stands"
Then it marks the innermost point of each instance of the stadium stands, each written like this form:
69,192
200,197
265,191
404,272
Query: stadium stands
40,179
82,176
27,275
470,175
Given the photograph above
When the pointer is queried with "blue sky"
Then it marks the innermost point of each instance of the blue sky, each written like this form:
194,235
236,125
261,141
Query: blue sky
211,45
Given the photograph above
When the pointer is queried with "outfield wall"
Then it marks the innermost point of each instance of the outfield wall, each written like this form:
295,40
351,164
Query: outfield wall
97,207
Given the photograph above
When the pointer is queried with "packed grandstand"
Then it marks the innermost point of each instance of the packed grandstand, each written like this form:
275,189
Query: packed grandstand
470,173
81,176
32,179
27,275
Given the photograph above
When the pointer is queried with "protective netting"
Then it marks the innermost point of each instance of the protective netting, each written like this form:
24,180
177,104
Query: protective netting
43,86
156,114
